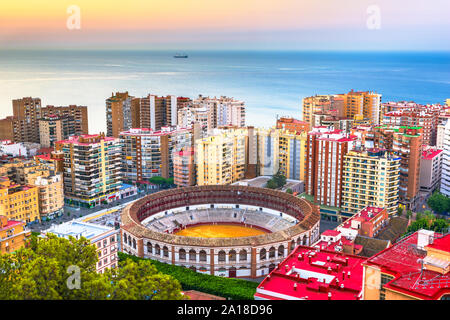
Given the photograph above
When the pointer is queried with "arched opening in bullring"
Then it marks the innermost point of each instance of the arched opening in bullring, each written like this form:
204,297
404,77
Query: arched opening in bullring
271,267
182,254
192,255
271,252
149,248
221,256
281,251
202,255
263,254
243,255
232,255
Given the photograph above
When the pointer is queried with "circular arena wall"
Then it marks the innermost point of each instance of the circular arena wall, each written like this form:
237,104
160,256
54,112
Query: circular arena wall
253,256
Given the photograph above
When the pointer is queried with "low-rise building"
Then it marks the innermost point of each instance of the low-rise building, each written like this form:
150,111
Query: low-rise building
368,222
13,235
51,195
430,169
292,125
19,202
314,274
415,268
105,239
19,149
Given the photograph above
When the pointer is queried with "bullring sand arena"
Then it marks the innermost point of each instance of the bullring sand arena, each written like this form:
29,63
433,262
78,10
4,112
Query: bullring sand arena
228,231
219,231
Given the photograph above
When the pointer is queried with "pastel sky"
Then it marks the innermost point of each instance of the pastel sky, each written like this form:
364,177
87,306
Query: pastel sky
233,24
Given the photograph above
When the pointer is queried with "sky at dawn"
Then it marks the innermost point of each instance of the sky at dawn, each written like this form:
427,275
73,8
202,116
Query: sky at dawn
227,24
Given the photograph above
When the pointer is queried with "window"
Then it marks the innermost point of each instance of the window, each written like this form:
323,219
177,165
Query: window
221,256
385,278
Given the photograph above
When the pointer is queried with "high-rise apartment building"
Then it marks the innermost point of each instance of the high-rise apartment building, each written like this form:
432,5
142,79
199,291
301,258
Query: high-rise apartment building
184,171
57,127
292,151
77,117
147,153
405,142
7,129
26,112
371,178
268,151
338,123
118,113
321,104
360,105
427,121
92,169
223,111
188,115
445,176
222,158
157,112
51,129
281,151
325,151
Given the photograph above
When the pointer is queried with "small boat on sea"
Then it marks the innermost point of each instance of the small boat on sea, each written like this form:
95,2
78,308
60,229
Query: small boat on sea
180,55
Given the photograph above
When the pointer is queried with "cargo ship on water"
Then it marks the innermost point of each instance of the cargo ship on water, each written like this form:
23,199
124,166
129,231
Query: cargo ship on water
180,55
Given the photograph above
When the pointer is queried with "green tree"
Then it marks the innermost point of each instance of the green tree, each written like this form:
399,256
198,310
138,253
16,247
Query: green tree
41,271
289,190
157,180
141,281
409,214
399,211
440,225
279,179
439,203
271,184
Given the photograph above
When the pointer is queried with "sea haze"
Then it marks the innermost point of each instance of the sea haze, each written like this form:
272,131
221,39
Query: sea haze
270,82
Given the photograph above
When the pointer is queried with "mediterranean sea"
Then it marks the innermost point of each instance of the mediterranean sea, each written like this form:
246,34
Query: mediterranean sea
270,82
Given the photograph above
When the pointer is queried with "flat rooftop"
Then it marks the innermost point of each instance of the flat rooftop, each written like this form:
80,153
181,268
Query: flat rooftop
403,261
261,181
312,274
78,229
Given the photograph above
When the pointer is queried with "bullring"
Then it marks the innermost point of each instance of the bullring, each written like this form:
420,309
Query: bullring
149,224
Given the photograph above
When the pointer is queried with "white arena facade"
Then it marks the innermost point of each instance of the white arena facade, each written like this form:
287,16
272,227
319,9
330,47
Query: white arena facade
149,228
